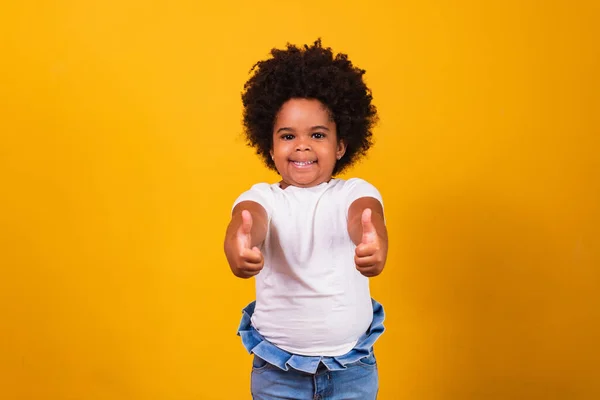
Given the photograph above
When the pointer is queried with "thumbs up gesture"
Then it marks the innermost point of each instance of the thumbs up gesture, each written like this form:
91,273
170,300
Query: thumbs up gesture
250,259
370,253
244,259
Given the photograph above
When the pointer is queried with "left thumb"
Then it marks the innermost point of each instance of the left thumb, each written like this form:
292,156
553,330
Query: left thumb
369,232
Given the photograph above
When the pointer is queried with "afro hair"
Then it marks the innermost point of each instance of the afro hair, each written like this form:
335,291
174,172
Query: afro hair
311,72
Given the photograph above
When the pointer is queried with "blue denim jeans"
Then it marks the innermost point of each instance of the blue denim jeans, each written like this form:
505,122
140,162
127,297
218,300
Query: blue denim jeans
358,381
277,374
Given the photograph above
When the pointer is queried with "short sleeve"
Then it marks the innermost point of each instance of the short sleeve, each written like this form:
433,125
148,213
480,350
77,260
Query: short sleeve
260,193
357,188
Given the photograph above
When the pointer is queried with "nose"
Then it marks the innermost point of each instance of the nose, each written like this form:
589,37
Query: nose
302,145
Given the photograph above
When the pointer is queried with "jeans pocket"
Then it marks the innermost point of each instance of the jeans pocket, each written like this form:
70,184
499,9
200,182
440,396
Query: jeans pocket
370,361
258,364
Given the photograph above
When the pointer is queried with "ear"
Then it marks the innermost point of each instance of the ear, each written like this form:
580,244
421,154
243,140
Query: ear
340,150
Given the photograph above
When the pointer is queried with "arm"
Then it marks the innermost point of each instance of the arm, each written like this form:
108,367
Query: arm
367,230
245,232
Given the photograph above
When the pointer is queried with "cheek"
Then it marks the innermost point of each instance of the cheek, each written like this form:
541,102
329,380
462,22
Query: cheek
283,149
329,152
279,154
275,150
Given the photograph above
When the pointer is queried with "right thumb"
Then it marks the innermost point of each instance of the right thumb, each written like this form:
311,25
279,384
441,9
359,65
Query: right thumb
246,222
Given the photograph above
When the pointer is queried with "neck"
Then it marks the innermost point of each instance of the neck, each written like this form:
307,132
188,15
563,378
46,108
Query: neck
283,184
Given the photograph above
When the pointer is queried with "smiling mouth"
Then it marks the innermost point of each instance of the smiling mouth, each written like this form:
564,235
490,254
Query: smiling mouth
303,163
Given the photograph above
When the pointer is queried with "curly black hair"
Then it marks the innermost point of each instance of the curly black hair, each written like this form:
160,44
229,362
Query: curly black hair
313,72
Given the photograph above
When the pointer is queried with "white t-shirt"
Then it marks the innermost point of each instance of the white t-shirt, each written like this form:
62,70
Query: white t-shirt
310,299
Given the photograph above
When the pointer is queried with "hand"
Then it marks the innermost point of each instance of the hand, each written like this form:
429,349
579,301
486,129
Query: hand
247,261
369,254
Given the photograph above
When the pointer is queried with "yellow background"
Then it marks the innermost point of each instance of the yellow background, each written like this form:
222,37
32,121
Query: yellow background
120,156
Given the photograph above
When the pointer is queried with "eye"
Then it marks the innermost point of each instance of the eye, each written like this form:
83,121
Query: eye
287,137
318,135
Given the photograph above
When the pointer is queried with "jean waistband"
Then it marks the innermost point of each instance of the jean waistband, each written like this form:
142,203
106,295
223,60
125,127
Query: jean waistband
255,343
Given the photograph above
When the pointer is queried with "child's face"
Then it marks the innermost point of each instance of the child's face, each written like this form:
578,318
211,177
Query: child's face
305,146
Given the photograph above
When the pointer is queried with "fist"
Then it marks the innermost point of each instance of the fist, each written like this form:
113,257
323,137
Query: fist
370,253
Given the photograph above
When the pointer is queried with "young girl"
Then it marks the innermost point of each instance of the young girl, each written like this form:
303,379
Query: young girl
311,241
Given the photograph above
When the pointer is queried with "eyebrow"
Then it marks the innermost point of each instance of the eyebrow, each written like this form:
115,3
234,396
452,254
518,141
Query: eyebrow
313,128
